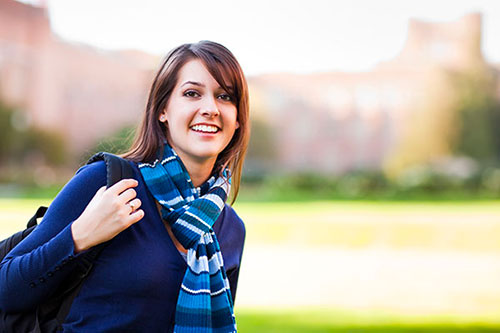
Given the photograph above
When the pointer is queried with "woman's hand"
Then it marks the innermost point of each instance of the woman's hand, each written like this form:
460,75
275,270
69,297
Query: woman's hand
109,212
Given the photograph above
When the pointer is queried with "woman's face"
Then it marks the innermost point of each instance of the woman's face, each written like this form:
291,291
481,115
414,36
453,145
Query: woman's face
200,116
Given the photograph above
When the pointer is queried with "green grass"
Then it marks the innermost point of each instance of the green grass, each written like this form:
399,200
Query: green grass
270,193
463,226
265,193
321,320
371,206
15,213
473,226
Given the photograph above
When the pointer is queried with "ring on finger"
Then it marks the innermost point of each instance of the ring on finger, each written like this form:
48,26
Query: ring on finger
131,206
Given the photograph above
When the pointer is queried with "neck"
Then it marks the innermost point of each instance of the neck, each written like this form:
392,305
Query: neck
198,170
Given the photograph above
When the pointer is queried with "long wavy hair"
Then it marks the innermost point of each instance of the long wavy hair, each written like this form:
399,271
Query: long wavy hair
225,69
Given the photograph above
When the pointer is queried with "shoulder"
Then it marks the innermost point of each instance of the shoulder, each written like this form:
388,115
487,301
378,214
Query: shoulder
98,172
88,177
80,188
231,215
95,171
231,235
231,223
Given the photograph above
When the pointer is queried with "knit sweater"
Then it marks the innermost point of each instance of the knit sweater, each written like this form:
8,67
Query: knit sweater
135,280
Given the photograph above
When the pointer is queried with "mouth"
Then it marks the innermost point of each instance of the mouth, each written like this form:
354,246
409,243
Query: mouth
207,129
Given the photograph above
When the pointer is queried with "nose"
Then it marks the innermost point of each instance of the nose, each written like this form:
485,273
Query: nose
209,108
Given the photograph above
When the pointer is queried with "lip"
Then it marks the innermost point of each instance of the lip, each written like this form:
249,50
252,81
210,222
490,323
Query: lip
207,124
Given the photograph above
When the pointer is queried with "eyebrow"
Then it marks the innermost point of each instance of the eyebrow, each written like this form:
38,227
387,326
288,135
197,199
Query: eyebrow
202,85
193,83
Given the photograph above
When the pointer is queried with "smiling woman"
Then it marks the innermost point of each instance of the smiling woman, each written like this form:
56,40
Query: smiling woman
201,118
198,84
173,245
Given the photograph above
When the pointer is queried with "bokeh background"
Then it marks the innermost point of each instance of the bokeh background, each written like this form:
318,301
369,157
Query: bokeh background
371,189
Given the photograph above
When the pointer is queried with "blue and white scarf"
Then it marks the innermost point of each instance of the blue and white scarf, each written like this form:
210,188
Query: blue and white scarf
205,302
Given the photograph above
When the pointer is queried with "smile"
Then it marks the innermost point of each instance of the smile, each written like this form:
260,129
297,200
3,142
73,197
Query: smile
205,128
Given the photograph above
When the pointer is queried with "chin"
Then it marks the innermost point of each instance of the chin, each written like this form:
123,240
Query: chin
207,150
205,154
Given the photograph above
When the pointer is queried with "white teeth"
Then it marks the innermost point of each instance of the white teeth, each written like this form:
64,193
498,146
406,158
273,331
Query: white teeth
205,128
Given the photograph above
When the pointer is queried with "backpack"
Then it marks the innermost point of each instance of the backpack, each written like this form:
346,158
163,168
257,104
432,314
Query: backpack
49,316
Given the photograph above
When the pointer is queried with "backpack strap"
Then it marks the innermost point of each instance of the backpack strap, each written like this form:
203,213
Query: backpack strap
9,243
117,169
40,212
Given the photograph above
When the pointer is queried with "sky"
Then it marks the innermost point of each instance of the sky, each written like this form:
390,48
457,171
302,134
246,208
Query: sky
268,35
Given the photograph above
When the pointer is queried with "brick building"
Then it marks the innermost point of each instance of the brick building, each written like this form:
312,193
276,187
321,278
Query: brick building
329,122
335,122
82,92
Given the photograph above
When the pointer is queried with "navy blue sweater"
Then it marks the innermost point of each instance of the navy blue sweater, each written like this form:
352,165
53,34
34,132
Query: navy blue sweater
135,280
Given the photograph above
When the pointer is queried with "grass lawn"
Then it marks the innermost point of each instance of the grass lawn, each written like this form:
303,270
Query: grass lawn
469,227
460,226
15,213
321,320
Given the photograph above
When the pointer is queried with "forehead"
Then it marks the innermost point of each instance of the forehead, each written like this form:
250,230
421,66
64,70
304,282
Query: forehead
195,70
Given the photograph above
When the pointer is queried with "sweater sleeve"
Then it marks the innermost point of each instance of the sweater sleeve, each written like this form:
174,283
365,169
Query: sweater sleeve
38,264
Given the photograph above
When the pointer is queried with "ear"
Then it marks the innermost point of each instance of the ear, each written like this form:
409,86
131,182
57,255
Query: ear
237,124
163,117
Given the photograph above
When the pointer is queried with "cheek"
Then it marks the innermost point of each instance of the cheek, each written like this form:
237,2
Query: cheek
232,118
176,119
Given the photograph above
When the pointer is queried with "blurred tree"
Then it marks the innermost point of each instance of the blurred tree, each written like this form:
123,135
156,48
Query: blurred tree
261,150
261,145
50,145
116,143
430,130
261,159
8,134
458,116
20,141
478,113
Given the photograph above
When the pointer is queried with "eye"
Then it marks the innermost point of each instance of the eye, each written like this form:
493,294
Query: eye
225,97
191,93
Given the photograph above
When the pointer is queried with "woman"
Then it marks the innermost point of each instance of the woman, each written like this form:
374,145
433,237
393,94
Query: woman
163,266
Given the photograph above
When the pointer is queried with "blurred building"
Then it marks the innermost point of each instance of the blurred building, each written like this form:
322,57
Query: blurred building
335,122
82,92
329,122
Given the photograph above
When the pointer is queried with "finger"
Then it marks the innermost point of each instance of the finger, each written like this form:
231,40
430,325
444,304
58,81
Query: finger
127,195
122,185
135,204
101,190
99,193
136,216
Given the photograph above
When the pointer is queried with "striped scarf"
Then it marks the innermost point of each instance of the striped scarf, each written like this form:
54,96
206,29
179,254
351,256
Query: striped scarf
205,302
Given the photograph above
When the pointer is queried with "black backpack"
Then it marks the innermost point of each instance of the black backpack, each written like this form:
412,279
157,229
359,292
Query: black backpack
49,316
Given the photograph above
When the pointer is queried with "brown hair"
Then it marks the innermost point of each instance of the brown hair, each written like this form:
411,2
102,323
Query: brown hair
225,69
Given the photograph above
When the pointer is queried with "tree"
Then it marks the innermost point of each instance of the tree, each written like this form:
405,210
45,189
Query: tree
478,111
19,140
